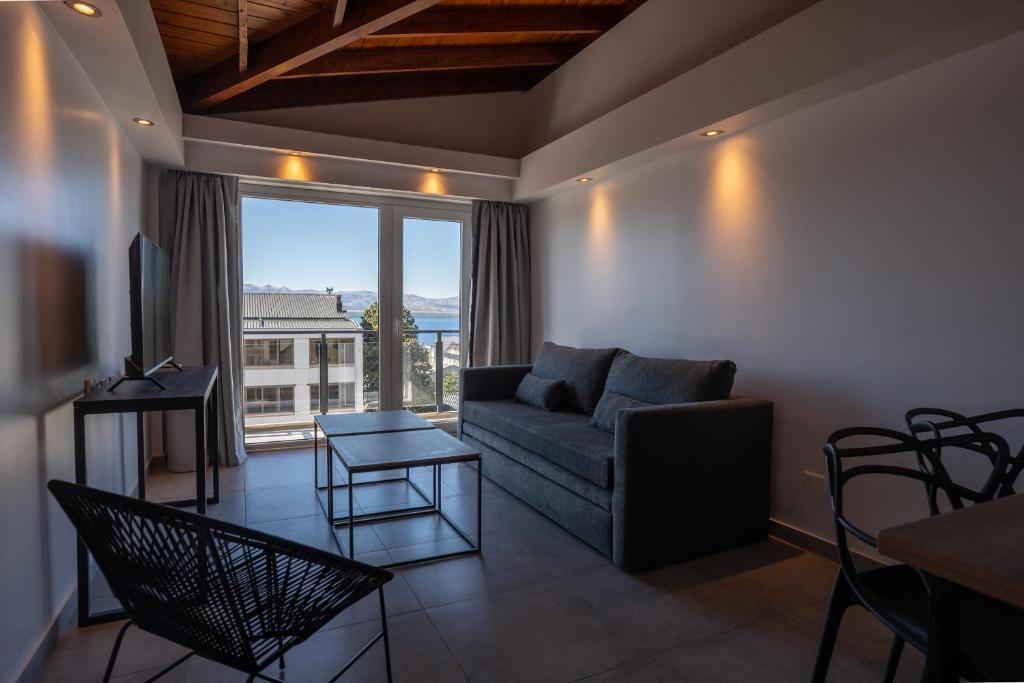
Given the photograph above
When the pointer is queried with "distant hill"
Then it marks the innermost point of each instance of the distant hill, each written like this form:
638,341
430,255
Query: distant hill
358,300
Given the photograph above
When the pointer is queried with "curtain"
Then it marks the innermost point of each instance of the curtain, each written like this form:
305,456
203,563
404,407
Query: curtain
499,290
199,226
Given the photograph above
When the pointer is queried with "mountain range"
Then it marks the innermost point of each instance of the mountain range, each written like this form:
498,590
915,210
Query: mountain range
358,300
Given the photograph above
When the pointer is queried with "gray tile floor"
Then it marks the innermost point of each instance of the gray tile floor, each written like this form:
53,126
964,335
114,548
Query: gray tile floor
537,605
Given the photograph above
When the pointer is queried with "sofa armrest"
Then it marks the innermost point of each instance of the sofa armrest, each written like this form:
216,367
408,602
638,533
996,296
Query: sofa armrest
492,383
690,479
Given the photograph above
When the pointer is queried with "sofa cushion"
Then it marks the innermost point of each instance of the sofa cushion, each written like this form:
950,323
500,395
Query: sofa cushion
668,380
608,408
566,439
538,392
584,372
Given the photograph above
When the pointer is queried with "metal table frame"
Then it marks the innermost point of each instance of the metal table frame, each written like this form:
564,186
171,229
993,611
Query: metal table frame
202,400
433,509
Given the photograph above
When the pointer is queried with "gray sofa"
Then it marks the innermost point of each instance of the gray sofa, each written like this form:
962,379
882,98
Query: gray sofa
685,471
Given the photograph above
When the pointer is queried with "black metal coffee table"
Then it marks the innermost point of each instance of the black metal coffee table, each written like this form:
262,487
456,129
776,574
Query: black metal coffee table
399,450
355,424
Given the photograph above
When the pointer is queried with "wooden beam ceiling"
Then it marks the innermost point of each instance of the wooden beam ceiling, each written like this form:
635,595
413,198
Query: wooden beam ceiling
397,60
376,87
295,46
234,55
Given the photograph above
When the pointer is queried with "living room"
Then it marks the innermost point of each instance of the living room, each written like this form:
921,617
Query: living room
552,338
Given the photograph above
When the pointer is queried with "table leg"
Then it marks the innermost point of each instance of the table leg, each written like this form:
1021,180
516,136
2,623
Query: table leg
140,449
479,504
942,661
83,554
351,521
316,456
201,457
214,440
330,483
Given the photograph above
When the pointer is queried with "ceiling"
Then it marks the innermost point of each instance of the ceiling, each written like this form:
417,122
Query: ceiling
250,55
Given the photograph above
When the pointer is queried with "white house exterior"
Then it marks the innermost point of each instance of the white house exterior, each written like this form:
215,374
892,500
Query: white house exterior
281,333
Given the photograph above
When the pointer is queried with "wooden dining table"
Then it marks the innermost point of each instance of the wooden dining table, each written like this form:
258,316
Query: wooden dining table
979,547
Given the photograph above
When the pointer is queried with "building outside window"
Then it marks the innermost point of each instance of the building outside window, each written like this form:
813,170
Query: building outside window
269,400
269,353
340,396
340,352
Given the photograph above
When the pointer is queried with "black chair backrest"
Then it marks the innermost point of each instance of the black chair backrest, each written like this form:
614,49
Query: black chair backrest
937,422
230,593
870,442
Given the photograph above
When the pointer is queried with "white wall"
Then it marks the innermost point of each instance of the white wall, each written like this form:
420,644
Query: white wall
70,183
856,259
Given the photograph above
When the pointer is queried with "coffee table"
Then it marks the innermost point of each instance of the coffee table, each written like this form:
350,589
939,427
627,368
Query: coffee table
403,450
354,424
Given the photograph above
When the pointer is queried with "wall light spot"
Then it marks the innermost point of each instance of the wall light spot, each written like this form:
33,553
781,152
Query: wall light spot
433,183
293,168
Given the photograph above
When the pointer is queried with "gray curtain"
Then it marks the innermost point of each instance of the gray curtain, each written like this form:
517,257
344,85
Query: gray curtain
499,290
199,226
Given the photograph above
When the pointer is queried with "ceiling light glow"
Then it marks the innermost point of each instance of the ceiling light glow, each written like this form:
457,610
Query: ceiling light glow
584,180
712,133
84,8
142,122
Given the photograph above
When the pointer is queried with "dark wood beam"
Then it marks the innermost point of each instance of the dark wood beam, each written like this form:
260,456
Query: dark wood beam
306,92
397,60
339,11
289,49
243,35
457,20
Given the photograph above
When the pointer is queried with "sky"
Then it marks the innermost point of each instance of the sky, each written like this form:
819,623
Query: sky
304,245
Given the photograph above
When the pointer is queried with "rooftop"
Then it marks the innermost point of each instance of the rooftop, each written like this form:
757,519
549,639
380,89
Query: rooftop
279,310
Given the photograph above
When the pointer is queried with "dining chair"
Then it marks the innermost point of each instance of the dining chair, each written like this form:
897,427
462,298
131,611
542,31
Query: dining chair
897,595
227,593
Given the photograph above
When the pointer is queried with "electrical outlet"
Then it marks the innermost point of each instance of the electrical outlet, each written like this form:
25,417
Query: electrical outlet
812,481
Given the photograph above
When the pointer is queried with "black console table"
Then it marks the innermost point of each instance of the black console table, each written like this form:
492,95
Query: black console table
191,388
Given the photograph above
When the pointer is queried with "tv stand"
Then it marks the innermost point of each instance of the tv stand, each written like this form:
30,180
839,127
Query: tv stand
133,372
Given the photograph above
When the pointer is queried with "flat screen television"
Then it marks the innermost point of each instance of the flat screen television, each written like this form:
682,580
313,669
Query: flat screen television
149,273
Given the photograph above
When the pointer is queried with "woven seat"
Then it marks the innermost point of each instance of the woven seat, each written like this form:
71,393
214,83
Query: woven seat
228,593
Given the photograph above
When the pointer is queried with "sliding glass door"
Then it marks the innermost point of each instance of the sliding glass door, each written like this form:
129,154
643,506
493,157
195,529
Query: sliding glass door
365,287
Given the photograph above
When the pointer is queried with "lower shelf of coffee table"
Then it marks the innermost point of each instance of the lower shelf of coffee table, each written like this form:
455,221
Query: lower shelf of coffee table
450,541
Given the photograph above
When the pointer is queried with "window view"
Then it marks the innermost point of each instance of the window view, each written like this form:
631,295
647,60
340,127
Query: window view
431,273
311,278
309,269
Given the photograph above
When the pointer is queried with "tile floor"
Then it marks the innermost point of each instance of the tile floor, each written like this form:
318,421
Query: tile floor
537,605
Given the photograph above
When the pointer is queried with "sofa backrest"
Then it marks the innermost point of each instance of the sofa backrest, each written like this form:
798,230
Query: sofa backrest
584,372
668,380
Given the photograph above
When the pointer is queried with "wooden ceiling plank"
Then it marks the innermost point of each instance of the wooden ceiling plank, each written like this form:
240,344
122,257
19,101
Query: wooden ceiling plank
349,89
339,11
444,20
391,60
243,36
291,48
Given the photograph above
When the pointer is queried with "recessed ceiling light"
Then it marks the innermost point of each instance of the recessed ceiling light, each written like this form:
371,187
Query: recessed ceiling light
142,121
84,8
712,133
295,154
584,180
435,170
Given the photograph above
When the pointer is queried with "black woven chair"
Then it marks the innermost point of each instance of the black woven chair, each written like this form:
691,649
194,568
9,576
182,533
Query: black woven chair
230,594
898,595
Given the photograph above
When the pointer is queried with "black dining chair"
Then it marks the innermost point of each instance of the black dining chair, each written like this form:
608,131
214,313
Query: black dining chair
227,593
897,595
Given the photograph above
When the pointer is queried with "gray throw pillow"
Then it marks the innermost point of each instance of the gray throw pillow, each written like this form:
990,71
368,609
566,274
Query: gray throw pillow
584,372
608,408
670,380
541,393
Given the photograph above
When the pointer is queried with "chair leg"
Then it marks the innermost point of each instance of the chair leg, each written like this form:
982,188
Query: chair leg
894,659
384,630
839,600
113,653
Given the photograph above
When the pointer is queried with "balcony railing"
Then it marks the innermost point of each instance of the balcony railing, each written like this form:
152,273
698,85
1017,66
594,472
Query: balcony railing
430,371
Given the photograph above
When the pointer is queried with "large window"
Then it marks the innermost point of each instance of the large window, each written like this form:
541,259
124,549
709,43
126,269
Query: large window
278,400
269,353
340,396
340,352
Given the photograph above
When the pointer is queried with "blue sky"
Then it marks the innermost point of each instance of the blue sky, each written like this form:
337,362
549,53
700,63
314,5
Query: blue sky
304,245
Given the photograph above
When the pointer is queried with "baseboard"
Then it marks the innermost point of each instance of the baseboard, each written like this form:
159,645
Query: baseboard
815,544
32,666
